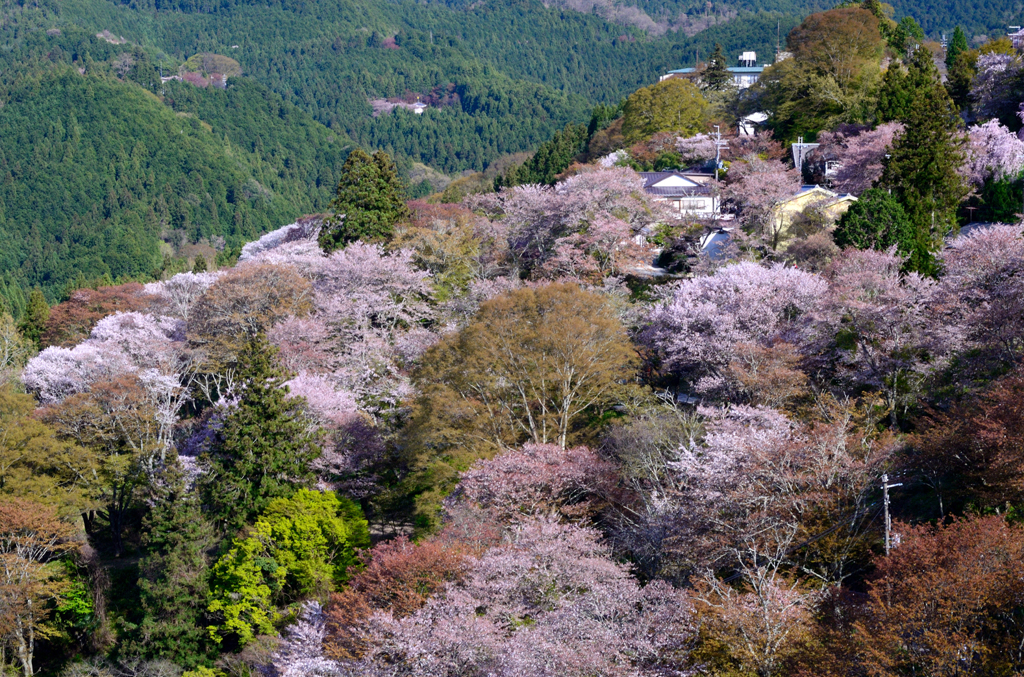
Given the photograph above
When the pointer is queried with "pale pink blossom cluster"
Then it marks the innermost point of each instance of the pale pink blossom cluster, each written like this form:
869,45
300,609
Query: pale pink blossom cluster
585,223
122,343
548,603
696,330
861,157
994,152
180,293
698,148
538,478
984,286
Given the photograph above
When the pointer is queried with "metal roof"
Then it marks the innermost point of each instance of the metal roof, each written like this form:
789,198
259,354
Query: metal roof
678,191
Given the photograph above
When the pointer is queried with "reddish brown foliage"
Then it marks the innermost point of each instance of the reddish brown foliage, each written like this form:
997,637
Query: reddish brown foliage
71,321
399,577
976,451
945,602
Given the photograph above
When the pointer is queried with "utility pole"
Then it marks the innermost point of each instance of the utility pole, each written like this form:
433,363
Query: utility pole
719,145
885,501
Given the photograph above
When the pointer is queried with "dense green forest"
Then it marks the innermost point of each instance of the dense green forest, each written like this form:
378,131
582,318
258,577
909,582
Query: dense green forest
97,171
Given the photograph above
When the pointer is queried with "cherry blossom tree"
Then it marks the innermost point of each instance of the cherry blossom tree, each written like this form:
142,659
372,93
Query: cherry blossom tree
699,148
860,156
537,219
877,325
995,90
984,283
756,187
537,479
122,343
994,153
180,293
697,330
586,614
374,305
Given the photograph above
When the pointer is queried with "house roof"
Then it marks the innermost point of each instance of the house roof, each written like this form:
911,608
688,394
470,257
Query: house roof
678,191
676,183
655,178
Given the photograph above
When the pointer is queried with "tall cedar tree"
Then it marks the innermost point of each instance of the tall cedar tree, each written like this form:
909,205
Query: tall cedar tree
174,572
33,322
551,159
264,448
896,95
923,168
961,77
957,46
716,76
369,202
876,221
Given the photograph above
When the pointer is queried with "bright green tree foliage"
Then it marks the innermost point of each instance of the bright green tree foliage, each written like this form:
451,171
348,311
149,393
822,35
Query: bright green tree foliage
831,79
957,46
369,202
265,447
33,321
674,105
923,169
716,76
876,221
299,547
173,583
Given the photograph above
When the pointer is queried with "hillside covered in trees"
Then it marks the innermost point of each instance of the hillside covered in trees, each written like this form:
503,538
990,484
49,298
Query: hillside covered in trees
534,424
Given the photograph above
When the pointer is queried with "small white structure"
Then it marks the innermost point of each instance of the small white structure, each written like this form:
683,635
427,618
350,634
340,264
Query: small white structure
418,108
690,194
749,124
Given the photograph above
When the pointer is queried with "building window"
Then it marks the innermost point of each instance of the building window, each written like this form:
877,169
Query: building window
693,205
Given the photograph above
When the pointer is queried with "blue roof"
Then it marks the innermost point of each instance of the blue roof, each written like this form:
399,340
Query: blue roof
740,70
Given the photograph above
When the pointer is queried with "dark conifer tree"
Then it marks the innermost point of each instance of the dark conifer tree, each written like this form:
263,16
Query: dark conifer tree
896,95
264,447
716,76
957,46
551,159
923,168
33,321
173,583
369,201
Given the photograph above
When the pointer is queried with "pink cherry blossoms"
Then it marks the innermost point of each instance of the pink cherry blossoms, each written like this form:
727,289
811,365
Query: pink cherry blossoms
994,153
696,331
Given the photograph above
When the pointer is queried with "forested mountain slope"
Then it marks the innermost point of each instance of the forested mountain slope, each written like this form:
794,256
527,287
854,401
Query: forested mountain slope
97,171
505,74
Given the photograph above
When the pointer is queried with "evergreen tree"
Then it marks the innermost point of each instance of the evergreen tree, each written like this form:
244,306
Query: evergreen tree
923,168
716,76
264,447
957,46
896,95
199,265
173,584
551,159
906,36
960,78
876,221
369,201
33,321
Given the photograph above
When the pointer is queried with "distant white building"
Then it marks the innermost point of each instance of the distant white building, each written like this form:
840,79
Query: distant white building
690,194
744,74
